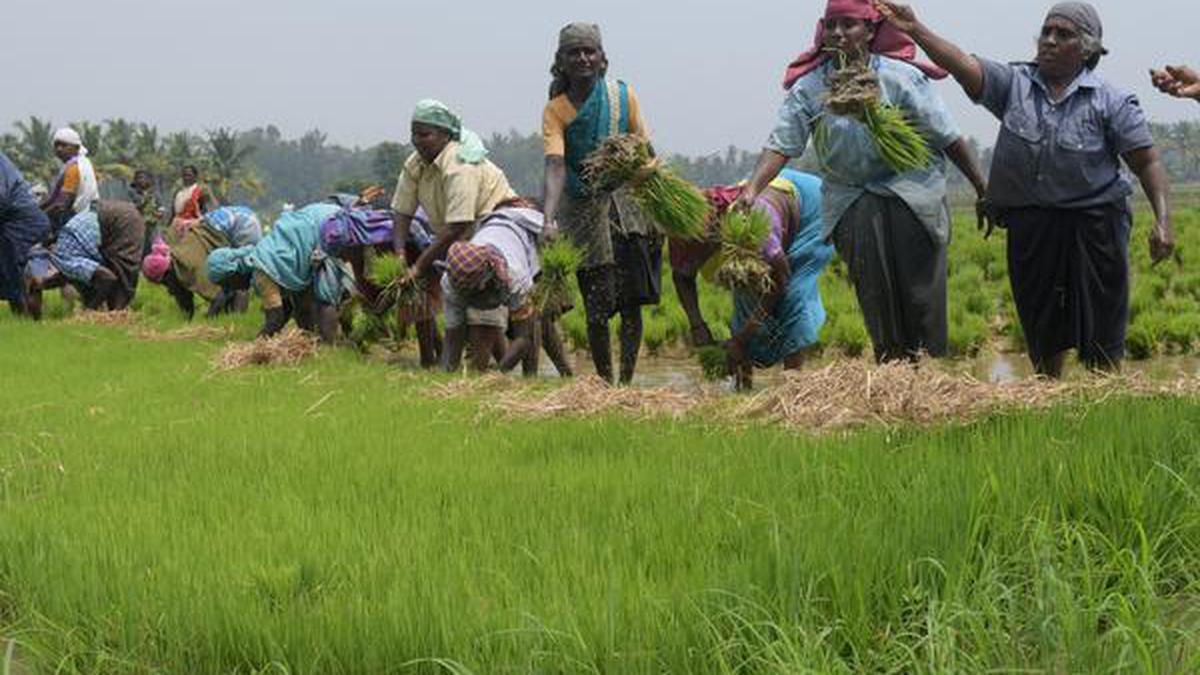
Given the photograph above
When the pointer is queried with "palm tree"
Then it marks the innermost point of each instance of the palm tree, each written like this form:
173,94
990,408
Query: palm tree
180,149
116,160
148,153
35,149
118,140
227,165
93,139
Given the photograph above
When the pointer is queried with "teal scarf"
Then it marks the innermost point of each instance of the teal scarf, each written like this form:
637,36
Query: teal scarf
594,123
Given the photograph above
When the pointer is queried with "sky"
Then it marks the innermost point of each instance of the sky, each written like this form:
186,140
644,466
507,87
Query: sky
708,73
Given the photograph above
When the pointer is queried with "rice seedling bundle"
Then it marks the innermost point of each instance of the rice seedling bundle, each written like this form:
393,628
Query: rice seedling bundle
742,237
675,205
388,272
367,327
714,362
556,285
854,92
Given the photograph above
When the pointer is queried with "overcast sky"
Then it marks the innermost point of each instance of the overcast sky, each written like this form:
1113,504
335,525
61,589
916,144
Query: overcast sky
708,72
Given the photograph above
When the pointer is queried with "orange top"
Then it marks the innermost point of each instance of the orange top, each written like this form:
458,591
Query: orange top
560,112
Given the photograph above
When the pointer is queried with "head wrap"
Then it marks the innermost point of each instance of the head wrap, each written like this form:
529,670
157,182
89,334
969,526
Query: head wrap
576,35
355,227
69,136
435,113
888,42
572,36
468,265
1084,16
156,264
226,262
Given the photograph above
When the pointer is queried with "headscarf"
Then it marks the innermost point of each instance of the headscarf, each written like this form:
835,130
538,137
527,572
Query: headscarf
156,264
224,263
435,113
572,36
69,136
889,41
354,228
468,266
579,34
1083,15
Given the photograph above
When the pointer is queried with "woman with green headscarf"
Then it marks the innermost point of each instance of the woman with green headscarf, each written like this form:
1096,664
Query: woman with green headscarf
449,176
622,264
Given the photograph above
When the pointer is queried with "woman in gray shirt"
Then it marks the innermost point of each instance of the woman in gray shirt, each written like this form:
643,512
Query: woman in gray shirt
1056,182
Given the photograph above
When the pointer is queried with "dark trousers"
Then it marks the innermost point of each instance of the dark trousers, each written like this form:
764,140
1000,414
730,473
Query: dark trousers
899,276
1069,270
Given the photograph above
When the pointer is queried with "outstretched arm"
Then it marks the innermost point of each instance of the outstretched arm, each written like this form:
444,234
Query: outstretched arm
1178,81
964,67
770,163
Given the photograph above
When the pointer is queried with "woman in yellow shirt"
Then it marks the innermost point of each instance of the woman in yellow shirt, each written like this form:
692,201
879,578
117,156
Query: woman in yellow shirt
450,177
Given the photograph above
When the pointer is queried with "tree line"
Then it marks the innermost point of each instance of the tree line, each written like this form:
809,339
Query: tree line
263,168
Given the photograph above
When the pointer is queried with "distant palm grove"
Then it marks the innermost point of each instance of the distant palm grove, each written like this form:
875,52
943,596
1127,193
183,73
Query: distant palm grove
264,169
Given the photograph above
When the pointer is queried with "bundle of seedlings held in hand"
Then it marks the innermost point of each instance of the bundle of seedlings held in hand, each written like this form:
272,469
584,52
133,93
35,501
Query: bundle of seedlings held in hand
854,91
624,160
370,327
743,234
388,273
556,285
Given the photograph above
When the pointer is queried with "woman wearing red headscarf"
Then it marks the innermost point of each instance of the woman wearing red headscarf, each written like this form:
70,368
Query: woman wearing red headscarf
892,227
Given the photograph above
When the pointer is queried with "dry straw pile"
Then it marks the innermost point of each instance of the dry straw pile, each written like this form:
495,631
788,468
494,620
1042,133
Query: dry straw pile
473,387
592,396
122,317
184,334
855,394
288,348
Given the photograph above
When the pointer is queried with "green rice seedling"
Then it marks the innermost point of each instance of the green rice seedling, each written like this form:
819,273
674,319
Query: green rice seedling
714,362
556,287
899,143
854,91
742,238
675,205
367,327
388,273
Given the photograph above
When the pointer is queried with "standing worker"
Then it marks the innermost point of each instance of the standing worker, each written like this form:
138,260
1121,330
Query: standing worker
1056,182
622,253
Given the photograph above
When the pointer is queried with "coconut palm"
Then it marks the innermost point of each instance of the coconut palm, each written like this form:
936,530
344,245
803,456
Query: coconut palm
34,149
119,140
228,168
179,149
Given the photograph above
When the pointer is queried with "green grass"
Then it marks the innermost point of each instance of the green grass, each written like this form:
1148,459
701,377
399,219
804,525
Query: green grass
155,518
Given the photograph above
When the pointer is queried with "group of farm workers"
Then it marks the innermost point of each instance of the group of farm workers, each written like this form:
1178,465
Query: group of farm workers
472,244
